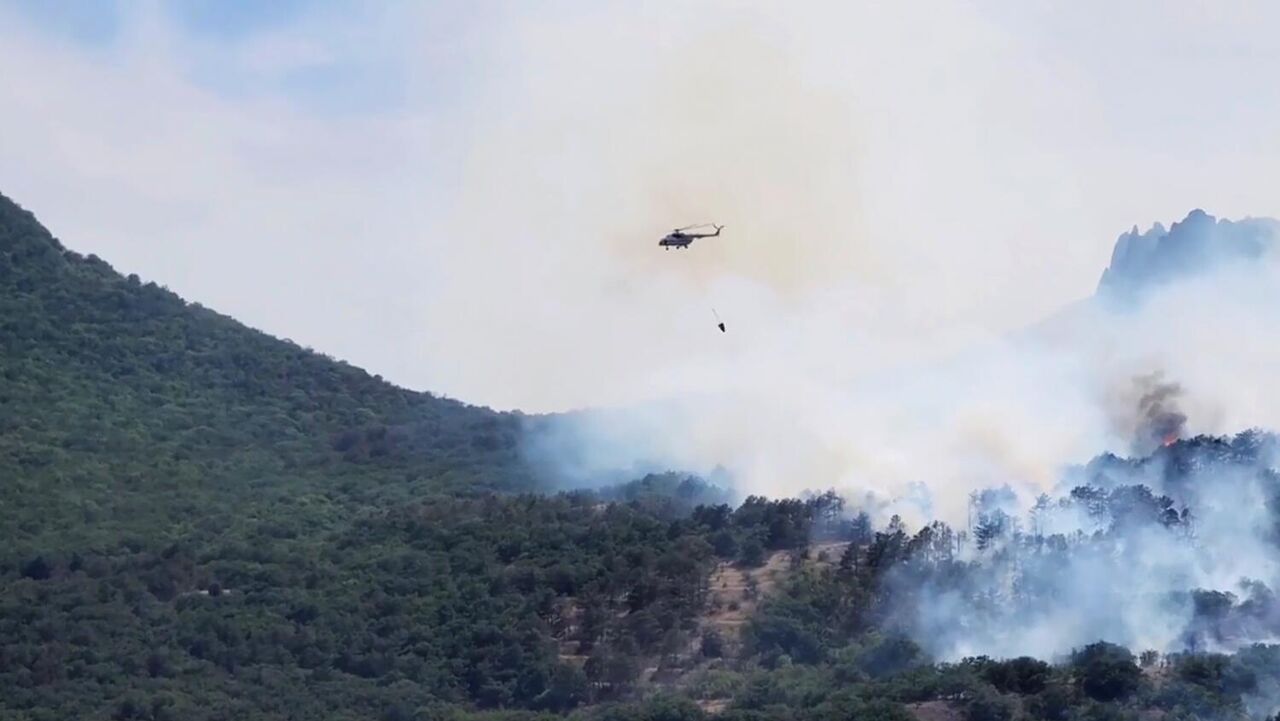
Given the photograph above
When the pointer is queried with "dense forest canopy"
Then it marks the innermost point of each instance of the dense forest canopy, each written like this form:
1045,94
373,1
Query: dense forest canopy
204,522
126,408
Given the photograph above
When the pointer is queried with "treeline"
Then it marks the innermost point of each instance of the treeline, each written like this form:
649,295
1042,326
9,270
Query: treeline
557,605
536,602
1098,528
1084,559
474,607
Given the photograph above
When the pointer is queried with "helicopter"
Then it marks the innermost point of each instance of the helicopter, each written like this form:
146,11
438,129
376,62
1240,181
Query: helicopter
678,238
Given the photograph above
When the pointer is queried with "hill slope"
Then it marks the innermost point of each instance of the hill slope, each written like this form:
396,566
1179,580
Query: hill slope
204,522
122,406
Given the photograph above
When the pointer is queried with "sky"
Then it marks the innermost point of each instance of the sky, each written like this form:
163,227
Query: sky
465,197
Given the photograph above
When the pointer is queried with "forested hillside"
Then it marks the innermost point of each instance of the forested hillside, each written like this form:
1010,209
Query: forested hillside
203,522
160,448
126,410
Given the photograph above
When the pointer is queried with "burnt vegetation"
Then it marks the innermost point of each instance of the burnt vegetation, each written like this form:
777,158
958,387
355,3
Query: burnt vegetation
204,522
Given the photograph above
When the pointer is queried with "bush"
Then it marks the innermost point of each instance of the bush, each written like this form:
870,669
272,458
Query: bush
1105,671
1054,703
1023,675
751,554
987,706
712,644
1216,673
893,654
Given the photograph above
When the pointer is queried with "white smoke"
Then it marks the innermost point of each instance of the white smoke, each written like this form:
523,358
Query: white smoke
853,357
868,229
1005,411
1129,580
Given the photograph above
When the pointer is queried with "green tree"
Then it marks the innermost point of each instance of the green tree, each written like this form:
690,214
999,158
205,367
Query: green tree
1105,671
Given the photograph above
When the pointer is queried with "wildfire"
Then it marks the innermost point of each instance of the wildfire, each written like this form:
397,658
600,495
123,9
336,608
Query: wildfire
1169,439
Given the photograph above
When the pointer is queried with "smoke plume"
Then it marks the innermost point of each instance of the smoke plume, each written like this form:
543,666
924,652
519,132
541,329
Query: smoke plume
1169,552
1155,419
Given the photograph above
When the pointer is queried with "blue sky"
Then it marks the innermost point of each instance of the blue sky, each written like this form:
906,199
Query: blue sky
100,21
92,23
232,19
356,65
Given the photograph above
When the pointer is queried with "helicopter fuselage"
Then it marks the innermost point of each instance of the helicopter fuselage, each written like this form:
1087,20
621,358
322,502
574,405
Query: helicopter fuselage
676,240
680,239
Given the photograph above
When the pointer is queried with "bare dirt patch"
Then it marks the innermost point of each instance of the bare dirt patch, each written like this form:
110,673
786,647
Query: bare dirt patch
713,706
827,553
933,711
735,592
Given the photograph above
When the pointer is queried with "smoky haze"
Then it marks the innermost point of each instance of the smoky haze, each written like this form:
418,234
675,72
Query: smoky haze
852,277
807,410
853,358
811,137
1134,560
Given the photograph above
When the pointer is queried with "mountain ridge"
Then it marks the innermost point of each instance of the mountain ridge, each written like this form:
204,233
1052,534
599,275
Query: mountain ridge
1142,261
98,364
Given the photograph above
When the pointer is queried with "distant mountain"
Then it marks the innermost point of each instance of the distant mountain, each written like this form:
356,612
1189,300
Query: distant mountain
1143,260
